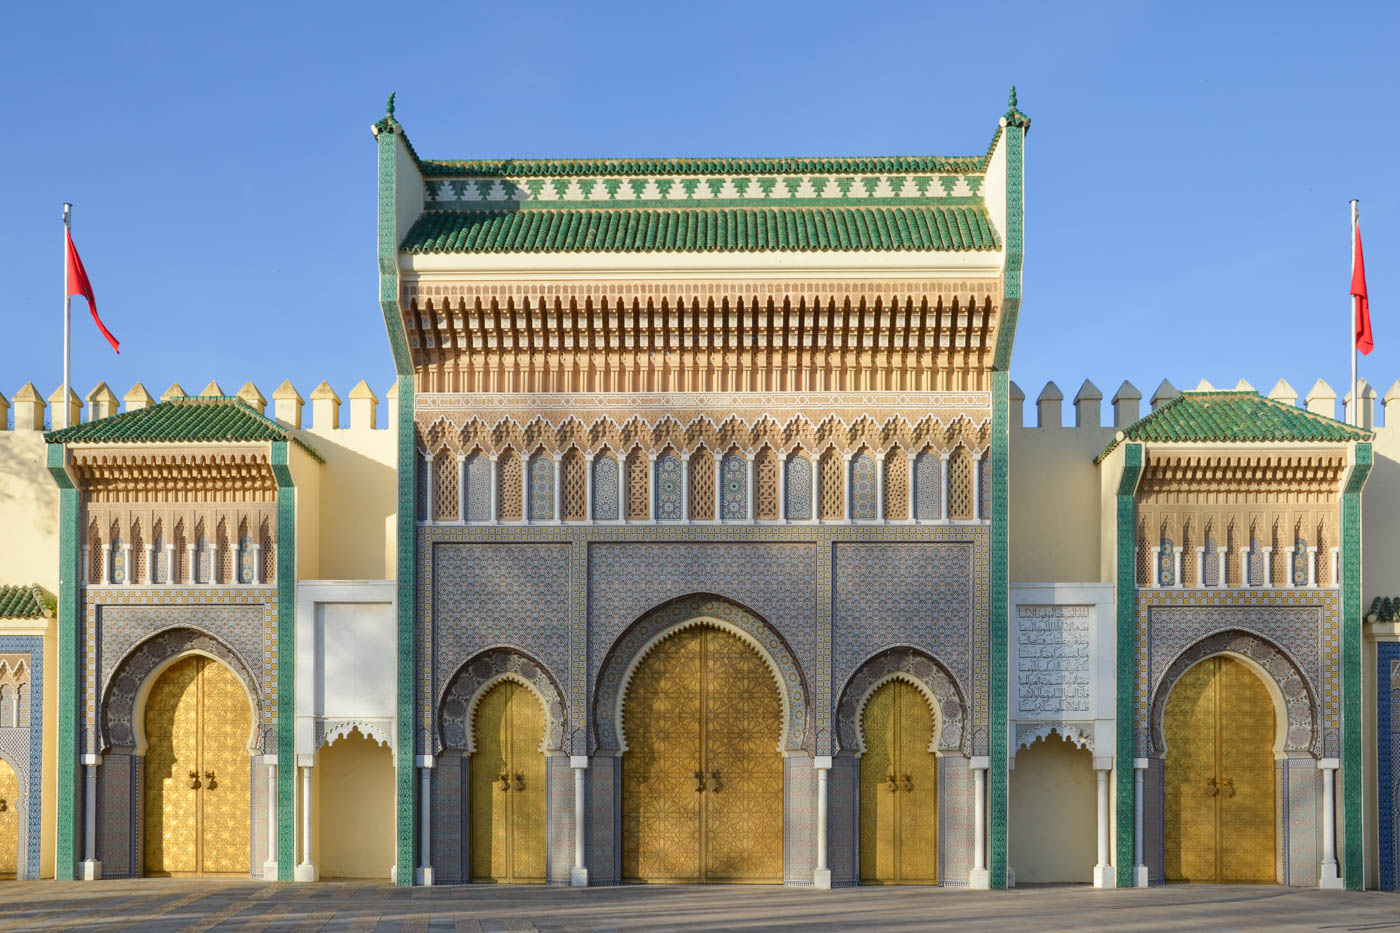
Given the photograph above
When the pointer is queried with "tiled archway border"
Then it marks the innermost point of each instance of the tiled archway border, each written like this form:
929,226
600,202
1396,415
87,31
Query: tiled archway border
924,671
457,706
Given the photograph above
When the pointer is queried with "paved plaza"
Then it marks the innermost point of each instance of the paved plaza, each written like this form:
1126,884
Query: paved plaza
196,905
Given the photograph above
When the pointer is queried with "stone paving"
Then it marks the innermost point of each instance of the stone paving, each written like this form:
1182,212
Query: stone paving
159,905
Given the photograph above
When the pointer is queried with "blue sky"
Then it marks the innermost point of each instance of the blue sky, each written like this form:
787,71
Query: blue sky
1187,172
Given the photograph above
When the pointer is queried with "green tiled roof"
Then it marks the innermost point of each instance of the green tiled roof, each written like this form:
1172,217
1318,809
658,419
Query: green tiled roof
697,230
24,602
524,168
202,420
1235,417
1384,609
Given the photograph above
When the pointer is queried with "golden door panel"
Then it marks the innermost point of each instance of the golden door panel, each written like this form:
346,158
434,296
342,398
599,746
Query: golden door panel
172,780
1246,711
743,799
9,821
1219,776
508,787
660,789
196,785
898,789
225,724
702,779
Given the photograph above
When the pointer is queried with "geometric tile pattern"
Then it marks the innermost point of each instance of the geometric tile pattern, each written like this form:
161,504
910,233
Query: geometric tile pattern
863,500
668,488
799,488
734,476
22,747
928,469
477,495
458,704
1388,762
541,488
908,664
605,488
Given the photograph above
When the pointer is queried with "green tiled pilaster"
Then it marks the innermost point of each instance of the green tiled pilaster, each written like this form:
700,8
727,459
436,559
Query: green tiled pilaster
1353,868
386,132
65,850
286,661
1125,578
999,604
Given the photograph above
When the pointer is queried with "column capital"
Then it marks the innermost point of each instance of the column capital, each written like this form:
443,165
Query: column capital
979,762
306,761
822,762
90,760
1103,763
1328,764
423,761
578,762
1139,764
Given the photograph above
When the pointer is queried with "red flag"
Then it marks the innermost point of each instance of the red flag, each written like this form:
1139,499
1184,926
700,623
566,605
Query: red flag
1363,306
78,284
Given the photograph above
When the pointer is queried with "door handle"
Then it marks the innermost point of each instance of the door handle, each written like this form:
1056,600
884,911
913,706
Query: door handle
908,784
1212,788
1229,784
4,805
714,781
699,781
519,781
194,780
504,779
891,783
210,781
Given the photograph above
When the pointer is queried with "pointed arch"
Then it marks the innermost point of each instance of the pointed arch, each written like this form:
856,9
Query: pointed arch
459,699
938,686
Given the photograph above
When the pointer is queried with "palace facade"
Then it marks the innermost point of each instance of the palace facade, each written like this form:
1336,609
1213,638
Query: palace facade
700,540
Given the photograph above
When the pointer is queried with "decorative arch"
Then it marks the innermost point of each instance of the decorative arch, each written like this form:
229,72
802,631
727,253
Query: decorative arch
150,657
1077,734
1301,728
933,680
680,614
458,702
328,733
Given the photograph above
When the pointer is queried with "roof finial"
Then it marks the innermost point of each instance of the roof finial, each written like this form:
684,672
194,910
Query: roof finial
389,107
1012,101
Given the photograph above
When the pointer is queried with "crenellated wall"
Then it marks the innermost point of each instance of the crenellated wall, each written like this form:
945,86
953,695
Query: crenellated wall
352,499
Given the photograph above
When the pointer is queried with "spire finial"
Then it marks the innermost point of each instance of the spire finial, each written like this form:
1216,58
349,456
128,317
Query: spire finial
389,107
1012,100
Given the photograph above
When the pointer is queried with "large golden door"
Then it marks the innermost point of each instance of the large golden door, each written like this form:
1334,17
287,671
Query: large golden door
196,792
898,789
702,779
508,787
9,821
1219,726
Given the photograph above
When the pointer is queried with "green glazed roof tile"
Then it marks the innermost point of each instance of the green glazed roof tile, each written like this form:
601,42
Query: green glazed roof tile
186,420
834,229
524,168
1384,609
24,602
1235,417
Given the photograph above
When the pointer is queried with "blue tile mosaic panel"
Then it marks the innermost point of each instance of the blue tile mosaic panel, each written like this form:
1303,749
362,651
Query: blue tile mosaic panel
1388,762
734,476
927,467
668,488
605,488
541,488
477,495
799,489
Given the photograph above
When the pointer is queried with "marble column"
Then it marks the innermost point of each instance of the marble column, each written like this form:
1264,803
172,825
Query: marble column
1139,868
980,878
1103,870
578,875
425,821
821,877
91,868
1330,877
306,870
270,864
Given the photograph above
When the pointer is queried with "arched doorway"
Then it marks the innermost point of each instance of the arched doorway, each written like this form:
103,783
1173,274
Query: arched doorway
702,777
508,787
354,774
1220,727
9,821
1053,811
196,785
898,788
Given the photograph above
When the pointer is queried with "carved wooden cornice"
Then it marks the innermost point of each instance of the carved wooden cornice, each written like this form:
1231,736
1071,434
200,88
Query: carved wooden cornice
1209,478
190,475
697,336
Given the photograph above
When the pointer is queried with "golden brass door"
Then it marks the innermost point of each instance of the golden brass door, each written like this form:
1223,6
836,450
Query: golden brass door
898,789
508,787
9,821
702,779
1219,777
196,792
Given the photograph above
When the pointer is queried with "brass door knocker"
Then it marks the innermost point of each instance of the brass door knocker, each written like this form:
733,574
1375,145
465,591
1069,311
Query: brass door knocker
714,781
1229,787
519,781
908,783
699,781
4,805
504,779
210,782
1212,788
891,783
194,780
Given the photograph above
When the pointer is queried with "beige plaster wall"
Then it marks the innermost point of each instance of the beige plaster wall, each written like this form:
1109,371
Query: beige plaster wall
1055,504
28,512
357,502
1053,820
354,808
1380,519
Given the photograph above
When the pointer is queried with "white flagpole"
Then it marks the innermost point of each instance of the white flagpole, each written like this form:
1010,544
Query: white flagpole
1355,397
67,314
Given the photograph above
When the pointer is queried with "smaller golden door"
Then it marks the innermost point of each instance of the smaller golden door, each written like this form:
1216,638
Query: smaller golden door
898,789
9,821
1219,776
197,783
508,787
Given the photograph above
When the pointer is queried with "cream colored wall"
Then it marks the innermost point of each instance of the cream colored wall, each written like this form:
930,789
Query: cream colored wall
28,512
358,498
1380,522
1055,504
306,477
353,815
1052,821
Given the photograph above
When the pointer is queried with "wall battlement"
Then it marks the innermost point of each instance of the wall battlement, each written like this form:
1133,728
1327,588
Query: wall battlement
1126,404
33,412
